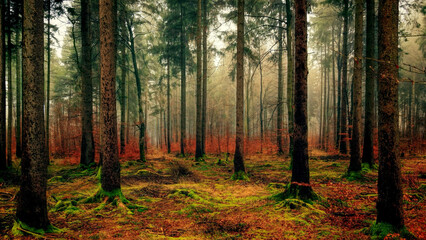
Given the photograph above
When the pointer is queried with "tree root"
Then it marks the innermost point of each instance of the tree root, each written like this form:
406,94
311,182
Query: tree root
115,198
300,191
21,229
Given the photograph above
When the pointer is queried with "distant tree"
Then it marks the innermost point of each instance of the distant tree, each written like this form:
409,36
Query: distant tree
370,79
111,165
32,205
204,95
344,103
182,81
389,202
355,162
3,162
280,105
290,71
239,168
87,142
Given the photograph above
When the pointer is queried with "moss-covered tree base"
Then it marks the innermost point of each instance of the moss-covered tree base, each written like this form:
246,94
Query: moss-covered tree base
115,198
20,229
240,176
300,191
387,231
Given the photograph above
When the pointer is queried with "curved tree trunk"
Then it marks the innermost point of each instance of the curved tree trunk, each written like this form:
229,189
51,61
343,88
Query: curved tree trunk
32,205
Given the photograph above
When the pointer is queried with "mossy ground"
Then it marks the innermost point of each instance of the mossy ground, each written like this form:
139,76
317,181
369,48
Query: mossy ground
180,199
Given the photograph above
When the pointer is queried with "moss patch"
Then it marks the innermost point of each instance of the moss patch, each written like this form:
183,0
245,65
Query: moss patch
240,176
22,229
388,231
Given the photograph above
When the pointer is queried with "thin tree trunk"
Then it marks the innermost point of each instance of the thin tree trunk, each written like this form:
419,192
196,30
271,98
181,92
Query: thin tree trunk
18,96
344,108
182,84
204,114
261,103
370,79
339,89
280,83
290,73
122,83
321,123
198,142
9,88
389,202
333,56
32,201
168,107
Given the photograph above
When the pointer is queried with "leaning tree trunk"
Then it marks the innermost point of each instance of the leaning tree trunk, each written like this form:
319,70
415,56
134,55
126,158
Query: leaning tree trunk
87,142
344,111
389,202
198,141
32,204
355,162
239,138
370,79
280,84
111,165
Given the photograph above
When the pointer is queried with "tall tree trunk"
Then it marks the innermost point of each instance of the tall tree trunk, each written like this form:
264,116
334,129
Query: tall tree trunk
290,73
327,109
280,83
204,114
198,142
87,143
111,165
300,170
239,138
142,140
182,83
9,87
344,107
370,79
48,82
355,162
333,56
122,82
18,96
32,204
389,202
168,107
339,88
321,122
261,103
2,90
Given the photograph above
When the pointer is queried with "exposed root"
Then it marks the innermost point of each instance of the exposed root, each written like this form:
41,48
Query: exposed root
300,191
21,229
115,198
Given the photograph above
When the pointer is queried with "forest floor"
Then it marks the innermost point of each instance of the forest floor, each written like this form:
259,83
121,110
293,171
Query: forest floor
185,200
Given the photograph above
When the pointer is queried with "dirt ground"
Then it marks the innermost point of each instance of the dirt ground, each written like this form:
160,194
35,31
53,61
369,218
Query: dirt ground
177,198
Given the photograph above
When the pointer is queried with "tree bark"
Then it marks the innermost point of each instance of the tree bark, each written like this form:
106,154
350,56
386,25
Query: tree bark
389,202
280,83
198,141
111,165
370,79
300,170
355,162
87,142
9,87
290,73
168,107
32,205
182,83
205,77
239,138
344,103
18,96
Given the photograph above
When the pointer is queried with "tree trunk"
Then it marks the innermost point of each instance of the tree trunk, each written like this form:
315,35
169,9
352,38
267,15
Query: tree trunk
280,83
339,89
261,103
32,205
355,162
182,83
333,56
87,143
9,87
198,142
239,139
123,99
290,73
18,96
300,169
2,90
168,107
142,140
204,114
343,117
321,122
370,79
111,165
389,202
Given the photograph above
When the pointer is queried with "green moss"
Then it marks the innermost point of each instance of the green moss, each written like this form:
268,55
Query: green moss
276,186
354,176
20,229
388,231
68,207
240,176
102,194
296,191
